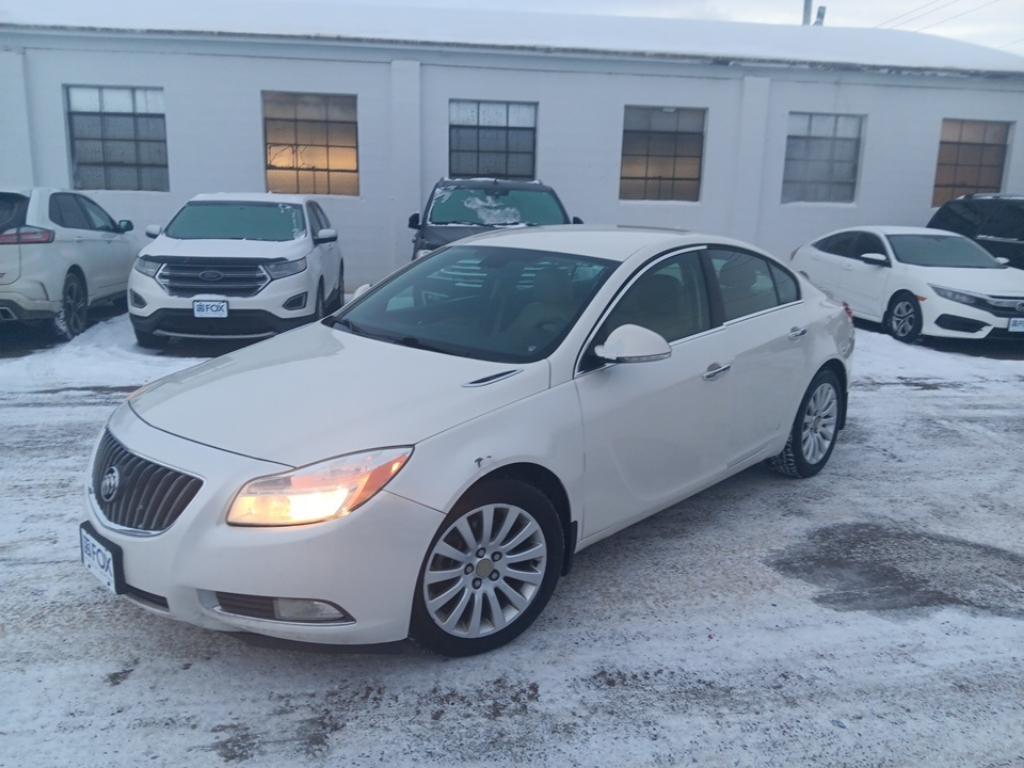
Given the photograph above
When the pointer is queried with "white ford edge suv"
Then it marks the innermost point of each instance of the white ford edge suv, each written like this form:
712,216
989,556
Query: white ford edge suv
918,282
568,382
236,267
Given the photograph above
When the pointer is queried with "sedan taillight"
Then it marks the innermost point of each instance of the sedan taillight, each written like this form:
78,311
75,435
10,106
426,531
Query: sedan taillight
26,236
848,309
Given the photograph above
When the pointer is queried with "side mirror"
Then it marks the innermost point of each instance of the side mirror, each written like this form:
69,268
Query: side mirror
154,230
577,220
124,225
325,236
414,221
633,344
361,290
1002,260
875,259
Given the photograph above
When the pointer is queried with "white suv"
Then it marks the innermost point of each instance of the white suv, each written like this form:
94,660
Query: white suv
60,252
236,267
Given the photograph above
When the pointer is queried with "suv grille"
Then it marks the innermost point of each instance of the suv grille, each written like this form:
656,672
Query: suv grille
146,496
188,277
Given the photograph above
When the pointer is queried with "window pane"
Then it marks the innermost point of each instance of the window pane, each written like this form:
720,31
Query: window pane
689,145
84,99
120,152
280,156
969,154
152,152
280,131
88,151
634,143
117,100
973,131
494,114
491,164
520,140
150,128
312,157
118,127
637,119
122,177
343,183
86,126
848,126
154,179
990,179
463,163
993,155
149,101
634,166
663,146
310,107
691,120
522,115
951,130
90,177
342,159
520,165
493,139
685,190
947,152
282,181
841,193
799,124
664,120
974,162
342,108
464,139
308,132
823,125
462,113
341,134
279,105
631,189
687,168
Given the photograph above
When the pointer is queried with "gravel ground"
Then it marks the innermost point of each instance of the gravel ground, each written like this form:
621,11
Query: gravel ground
872,616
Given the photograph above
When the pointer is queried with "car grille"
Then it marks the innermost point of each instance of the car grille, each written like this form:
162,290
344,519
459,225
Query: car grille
188,277
1005,306
147,496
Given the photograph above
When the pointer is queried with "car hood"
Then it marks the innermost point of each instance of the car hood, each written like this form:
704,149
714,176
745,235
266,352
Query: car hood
993,282
317,392
221,249
435,236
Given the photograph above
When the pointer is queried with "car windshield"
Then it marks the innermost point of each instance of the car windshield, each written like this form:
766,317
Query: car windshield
941,251
275,222
495,206
503,304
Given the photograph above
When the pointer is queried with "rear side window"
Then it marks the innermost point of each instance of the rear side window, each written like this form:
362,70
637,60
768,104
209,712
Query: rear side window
867,243
837,245
1005,219
12,210
66,212
747,283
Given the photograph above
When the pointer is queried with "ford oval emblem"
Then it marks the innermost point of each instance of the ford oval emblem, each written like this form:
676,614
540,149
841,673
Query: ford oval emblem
109,484
211,275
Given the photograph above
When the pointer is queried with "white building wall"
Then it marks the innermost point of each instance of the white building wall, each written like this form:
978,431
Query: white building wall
212,92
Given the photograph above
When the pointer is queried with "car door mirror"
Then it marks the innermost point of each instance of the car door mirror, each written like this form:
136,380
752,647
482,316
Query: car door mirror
633,344
577,220
875,259
1002,260
124,225
153,230
325,236
361,290
414,221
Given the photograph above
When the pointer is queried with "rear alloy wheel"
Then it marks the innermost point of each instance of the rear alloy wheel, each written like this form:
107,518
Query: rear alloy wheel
903,321
490,570
71,318
815,429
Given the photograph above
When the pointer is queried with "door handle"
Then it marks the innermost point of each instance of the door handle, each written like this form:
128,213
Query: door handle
715,370
796,333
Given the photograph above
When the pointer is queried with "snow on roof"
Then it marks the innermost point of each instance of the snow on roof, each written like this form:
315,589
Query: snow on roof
619,35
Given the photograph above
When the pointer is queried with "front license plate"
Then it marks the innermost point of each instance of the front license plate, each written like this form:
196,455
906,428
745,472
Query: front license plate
1017,325
209,309
101,558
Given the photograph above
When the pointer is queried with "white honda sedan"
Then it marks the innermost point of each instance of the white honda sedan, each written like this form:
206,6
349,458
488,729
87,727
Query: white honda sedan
428,460
918,282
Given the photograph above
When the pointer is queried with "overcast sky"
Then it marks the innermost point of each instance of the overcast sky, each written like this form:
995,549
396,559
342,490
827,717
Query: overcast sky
996,23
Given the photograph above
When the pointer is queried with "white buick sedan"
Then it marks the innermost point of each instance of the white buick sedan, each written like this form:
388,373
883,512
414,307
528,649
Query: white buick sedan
428,460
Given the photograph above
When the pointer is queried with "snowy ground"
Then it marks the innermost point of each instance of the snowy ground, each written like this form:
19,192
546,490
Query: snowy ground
872,616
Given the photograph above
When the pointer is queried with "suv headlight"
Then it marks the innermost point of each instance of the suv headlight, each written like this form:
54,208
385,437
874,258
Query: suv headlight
278,269
147,266
959,296
330,489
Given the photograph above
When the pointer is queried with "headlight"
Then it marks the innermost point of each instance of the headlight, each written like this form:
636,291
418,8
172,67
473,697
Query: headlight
148,267
332,488
278,269
958,296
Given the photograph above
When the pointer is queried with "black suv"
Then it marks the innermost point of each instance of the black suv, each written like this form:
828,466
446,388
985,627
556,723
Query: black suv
459,208
995,222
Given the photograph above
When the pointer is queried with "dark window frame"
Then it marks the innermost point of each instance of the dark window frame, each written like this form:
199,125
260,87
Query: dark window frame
106,165
478,129
796,190
965,146
296,122
650,136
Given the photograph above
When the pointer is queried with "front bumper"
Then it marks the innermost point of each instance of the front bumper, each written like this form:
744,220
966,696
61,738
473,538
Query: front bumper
239,324
367,563
951,319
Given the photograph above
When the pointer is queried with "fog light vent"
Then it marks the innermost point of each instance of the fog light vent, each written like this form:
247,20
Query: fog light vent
298,301
137,301
283,608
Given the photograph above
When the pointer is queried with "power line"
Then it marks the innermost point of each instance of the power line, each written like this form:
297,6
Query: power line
921,15
907,13
956,16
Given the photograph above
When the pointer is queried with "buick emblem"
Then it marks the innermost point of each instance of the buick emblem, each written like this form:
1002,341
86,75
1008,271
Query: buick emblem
109,484
211,275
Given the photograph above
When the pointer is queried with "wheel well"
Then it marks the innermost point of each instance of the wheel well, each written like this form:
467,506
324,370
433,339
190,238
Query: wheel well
546,482
74,268
840,371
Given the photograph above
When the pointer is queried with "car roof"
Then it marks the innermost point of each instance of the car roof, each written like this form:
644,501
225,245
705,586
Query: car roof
986,196
476,182
612,243
253,197
886,229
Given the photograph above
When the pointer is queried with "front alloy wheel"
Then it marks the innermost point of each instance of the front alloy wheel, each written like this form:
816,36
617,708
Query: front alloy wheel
904,318
490,571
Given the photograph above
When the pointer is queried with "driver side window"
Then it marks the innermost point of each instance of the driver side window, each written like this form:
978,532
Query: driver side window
98,218
670,298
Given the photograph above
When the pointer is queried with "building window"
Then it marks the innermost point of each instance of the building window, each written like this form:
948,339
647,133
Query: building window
971,158
662,151
492,138
118,138
822,152
311,143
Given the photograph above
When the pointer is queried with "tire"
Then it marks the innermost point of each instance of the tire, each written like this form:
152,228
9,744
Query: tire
318,308
150,340
815,429
341,286
903,319
71,318
483,615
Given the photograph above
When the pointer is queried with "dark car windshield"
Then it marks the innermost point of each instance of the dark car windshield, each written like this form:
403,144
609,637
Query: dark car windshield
493,206
941,251
211,220
504,304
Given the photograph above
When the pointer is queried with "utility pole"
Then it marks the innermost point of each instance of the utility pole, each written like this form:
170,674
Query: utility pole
807,12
